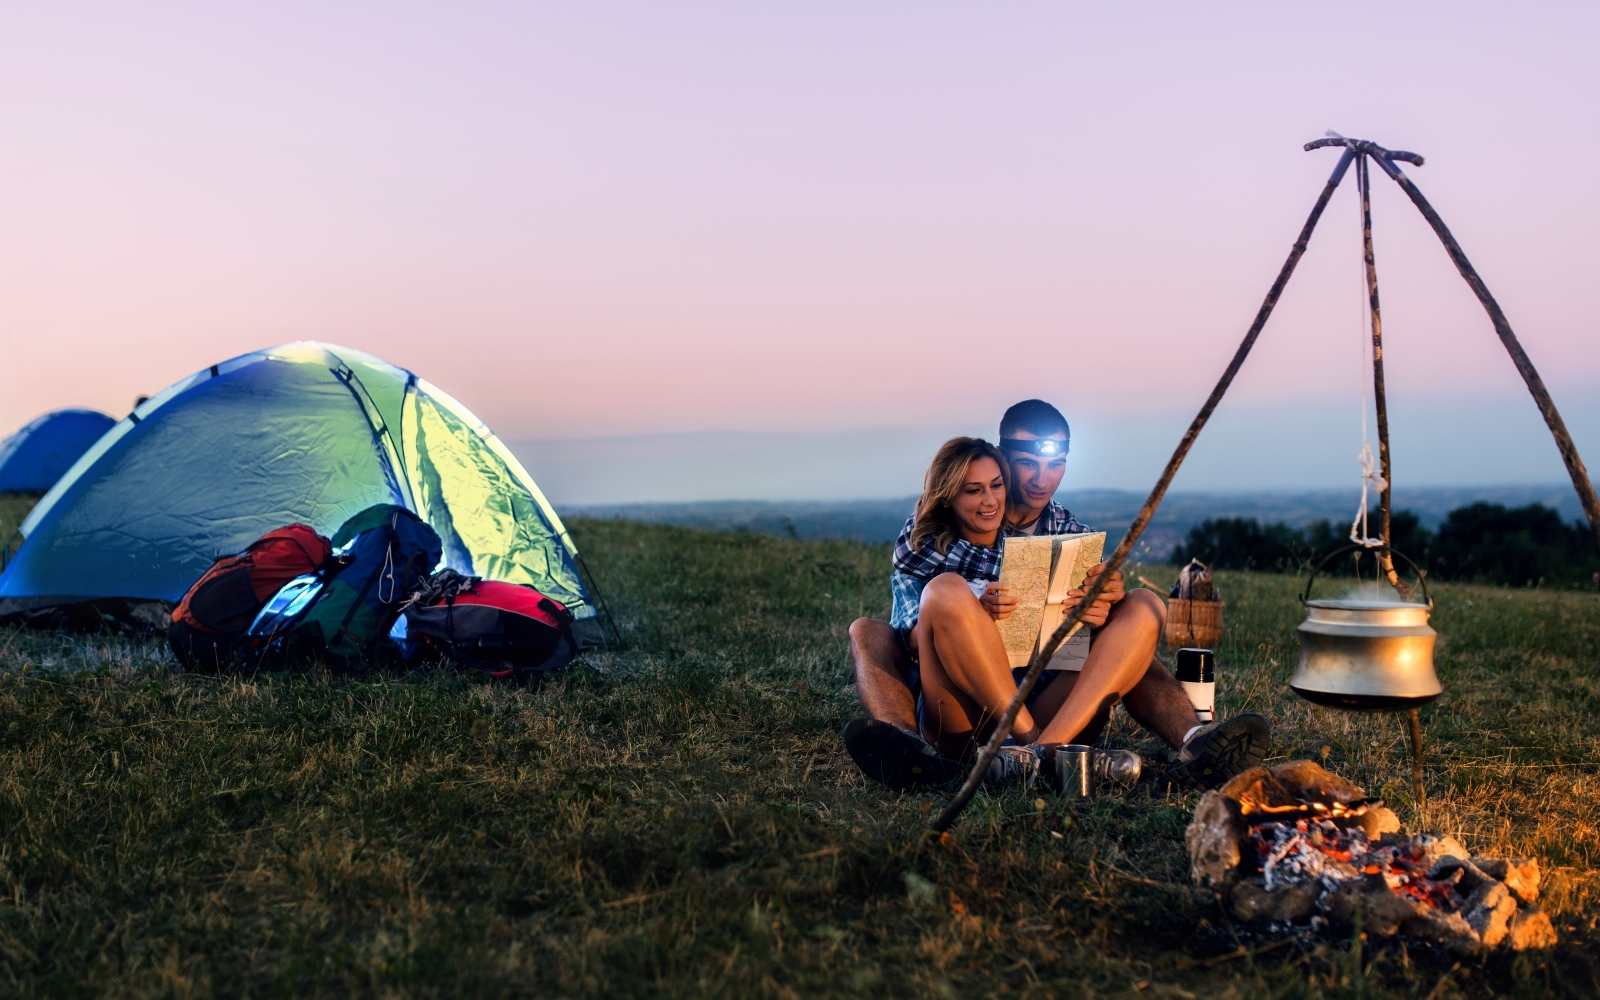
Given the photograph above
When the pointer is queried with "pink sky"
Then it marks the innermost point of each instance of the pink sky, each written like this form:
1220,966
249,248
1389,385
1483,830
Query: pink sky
622,219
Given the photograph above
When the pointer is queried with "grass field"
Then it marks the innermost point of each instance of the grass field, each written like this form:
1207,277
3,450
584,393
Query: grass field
678,817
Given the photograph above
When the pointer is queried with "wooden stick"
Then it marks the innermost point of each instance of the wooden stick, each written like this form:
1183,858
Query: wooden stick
1414,717
969,787
1364,146
1519,357
1385,556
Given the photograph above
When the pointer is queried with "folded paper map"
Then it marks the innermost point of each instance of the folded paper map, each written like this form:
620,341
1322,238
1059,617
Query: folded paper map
1040,570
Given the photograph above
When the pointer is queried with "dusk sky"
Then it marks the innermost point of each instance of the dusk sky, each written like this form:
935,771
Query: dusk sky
742,250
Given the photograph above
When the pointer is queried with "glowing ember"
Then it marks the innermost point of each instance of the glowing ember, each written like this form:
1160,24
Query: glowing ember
1292,853
1333,810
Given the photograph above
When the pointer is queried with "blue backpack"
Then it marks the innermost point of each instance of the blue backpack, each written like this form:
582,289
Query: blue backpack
343,612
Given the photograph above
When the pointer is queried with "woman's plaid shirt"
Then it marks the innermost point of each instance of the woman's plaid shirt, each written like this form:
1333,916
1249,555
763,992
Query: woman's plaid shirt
977,564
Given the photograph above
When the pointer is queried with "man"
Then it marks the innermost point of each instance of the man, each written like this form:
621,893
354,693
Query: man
1035,439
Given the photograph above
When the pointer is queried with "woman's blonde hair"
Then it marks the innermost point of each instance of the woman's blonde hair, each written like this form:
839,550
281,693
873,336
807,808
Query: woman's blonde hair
936,517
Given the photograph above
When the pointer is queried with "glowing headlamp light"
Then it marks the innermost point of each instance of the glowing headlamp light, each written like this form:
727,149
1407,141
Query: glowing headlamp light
1043,447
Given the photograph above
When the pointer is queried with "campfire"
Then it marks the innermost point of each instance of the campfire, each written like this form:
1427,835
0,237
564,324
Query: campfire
1298,845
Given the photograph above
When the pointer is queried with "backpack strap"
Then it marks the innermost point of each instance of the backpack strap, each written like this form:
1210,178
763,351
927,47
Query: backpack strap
557,611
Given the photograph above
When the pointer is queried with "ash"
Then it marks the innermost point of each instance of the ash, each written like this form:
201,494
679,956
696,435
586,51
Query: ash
1323,851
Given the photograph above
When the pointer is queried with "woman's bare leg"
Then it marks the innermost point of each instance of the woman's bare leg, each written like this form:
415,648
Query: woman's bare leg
1117,660
966,676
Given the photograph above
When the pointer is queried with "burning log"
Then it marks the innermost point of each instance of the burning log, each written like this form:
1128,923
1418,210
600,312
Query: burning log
1294,842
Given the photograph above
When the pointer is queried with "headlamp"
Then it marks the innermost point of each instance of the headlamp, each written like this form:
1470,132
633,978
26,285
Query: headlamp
1043,447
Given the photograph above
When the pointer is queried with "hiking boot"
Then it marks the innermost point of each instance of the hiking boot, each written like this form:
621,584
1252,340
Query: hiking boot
897,758
1219,750
1118,767
1014,764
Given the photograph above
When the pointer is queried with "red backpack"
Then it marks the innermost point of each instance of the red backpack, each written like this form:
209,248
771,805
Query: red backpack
502,629
214,614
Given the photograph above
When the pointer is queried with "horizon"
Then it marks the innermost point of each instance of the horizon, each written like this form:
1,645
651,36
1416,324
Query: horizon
1130,493
1242,450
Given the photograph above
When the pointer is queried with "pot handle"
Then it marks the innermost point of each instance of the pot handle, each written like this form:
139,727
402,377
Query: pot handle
1422,577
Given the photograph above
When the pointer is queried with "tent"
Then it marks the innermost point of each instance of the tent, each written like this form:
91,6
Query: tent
303,432
32,459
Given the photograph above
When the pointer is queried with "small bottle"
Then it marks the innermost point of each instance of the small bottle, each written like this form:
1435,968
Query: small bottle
1197,674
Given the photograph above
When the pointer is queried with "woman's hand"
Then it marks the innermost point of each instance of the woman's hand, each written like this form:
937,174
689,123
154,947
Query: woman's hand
1095,615
998,601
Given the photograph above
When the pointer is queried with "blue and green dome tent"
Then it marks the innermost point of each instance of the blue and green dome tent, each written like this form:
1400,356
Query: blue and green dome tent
303,432
32,459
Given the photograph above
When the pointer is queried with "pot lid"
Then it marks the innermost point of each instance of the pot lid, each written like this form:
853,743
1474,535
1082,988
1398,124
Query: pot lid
1368,615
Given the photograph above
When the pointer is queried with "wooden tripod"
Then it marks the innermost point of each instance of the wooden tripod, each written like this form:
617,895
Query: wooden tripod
1358,151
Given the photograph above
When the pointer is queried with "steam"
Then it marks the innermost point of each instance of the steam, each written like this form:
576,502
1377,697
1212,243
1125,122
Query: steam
1375,592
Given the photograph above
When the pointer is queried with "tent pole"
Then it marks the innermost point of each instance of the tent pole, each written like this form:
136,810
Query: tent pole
951,811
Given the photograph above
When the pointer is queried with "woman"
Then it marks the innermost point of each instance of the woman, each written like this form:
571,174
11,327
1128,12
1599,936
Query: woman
942,573
945,607
956,528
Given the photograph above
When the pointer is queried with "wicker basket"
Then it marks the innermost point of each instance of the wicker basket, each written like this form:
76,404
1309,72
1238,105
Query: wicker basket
1193,623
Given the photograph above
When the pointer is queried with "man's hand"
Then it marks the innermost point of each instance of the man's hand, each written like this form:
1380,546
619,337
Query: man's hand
1095,614
998,601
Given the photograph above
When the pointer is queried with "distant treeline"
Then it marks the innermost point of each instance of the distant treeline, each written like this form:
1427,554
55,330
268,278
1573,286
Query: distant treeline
1482,542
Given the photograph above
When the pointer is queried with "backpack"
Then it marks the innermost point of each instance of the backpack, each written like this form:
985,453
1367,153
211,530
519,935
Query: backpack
209,623
502,629
343,612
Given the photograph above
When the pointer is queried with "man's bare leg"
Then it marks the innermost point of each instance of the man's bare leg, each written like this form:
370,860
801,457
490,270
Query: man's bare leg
1118,659
887,747
1160,704
880,674
966,675
1214,753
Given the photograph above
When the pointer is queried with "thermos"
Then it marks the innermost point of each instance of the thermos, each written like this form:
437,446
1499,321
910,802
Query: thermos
1197,674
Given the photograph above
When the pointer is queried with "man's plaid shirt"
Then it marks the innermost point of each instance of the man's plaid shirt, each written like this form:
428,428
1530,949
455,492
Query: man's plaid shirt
977,564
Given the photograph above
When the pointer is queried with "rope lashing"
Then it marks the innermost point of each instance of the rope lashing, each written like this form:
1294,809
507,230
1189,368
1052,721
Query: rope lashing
1372,481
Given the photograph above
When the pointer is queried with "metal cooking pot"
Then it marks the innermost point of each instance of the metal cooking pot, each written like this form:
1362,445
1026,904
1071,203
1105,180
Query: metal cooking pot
1366,654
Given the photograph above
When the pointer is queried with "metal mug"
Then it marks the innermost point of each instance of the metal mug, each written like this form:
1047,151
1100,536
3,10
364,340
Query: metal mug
1075,769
